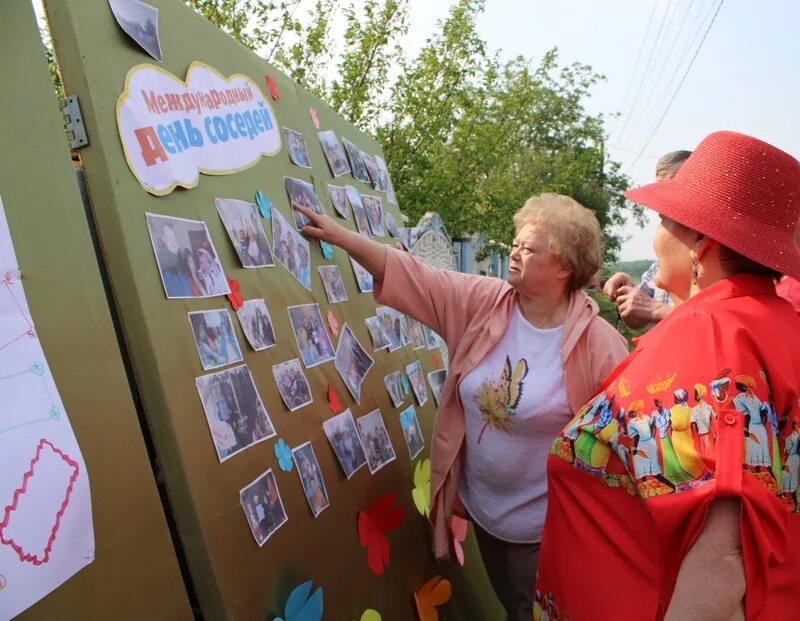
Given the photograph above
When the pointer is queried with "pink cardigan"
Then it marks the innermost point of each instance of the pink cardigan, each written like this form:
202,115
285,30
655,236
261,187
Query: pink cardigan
472,313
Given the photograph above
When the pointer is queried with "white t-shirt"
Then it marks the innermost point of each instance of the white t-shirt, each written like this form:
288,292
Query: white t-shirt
515,404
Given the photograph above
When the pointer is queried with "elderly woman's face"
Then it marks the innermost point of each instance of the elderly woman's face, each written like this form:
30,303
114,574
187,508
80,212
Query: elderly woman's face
673,245
532,269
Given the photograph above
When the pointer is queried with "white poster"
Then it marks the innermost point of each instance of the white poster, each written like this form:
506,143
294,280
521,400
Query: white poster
46,533
173,130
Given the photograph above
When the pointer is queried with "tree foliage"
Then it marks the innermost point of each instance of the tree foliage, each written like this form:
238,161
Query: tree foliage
464,133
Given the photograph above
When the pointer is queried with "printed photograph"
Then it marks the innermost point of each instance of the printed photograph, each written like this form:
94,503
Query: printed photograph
263,507
215,339
291,249
245,231
375,440
436,380
140,23
431,338
392,323
296,146
352,362
359,213
411,431
187,260
343,436
235,413
372,169
310,333
379,338
292,384
394,384
256,324
333,283
415,332
383,171
391,223
338,194
405,335
311,478
372,205
301,193
417,378
363,277
333,153
356,162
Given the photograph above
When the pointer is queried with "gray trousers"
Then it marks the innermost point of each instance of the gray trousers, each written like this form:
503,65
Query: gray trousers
512,572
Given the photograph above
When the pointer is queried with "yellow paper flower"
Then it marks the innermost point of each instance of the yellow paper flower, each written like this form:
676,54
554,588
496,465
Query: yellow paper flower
422,487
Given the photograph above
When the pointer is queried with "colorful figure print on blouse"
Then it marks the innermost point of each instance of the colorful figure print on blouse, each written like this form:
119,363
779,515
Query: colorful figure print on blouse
498,403
663,440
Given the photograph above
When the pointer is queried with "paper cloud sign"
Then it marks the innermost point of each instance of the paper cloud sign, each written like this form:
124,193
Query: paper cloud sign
173,130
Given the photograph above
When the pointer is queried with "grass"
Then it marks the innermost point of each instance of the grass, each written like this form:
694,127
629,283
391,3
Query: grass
608,311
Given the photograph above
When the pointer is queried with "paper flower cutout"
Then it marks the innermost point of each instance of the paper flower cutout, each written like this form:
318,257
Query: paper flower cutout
458,533
371,615
236,299
437,362
373,524
433,593
404,383
333,400
422,487
327,250
314,118
264,206
284,455
273,88
333,323
303,605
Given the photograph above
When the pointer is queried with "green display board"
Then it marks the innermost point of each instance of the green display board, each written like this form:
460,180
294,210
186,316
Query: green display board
233,577
134,574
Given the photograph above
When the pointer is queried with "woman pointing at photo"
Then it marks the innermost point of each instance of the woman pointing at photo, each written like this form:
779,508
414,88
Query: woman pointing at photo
525,355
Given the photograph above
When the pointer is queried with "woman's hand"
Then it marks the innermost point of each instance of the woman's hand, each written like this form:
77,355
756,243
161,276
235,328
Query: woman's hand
322,226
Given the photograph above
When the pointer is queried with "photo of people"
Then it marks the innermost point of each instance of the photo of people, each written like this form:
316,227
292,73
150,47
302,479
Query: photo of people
333,153
415,332
256,324
244,229
235,413
301,193
394,384
405,335
343,436
372,169
431,338
296,146
415,375
214,337
338,194
411,431
292,384
359,214
291,249
140,23
386,180
186,258
393,326
352,362
436,380
356,163
333,283
311,478
379,338
372,205
363,277
263,507
310,333
391,223
375,440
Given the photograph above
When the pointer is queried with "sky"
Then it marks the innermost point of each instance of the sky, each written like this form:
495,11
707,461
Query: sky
744,77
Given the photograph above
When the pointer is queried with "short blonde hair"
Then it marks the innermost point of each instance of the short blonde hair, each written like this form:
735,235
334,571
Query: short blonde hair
576,240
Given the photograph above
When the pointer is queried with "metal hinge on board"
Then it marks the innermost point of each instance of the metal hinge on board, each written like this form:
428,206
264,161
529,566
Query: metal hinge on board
73,121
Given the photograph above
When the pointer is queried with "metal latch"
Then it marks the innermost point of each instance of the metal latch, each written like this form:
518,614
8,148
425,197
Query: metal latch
73,121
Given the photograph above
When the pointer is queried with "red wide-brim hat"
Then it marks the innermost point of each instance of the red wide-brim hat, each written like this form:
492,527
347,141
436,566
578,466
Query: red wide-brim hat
740,191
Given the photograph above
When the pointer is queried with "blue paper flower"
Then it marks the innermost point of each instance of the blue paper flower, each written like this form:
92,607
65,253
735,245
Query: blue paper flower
303,605
284,455
264,205
327,250
404,382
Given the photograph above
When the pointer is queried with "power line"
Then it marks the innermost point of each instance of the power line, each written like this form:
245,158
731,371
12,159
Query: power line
677,90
